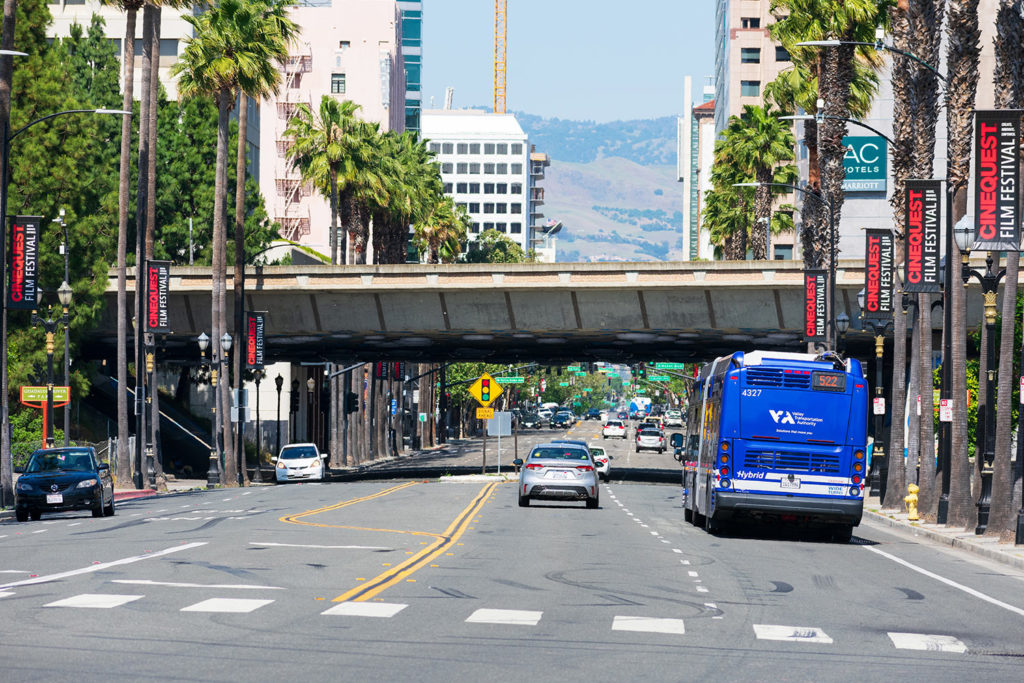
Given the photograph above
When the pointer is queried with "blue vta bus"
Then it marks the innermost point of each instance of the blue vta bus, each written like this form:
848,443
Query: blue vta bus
777,437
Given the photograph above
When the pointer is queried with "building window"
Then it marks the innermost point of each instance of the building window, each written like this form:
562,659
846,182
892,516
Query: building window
435,147
488,208
502,169
502,148
750,22
447,148
489,148
70,2
517,169
344,44
461,168
474,188
488,226
463,148
474,228
488,169
517,149
474,148
783,252
488,188
461,205
781,55
501,208
474,207
750,88
474,169
447,188
517,188
517,208
461,187
517,228
502,188
750,55
501,227
337,84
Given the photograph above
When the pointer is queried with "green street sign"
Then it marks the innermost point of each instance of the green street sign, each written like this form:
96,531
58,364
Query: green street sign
510,380
864,163
563,384
659,378
580,374
670,366
588,389
573,368
641,390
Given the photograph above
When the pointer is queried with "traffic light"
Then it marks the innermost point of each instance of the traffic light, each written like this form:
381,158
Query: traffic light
485,390
351,402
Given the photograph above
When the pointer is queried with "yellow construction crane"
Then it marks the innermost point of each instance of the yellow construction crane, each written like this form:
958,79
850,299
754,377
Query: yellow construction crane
500,34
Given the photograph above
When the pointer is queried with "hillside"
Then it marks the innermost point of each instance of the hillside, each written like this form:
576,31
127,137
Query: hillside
648,142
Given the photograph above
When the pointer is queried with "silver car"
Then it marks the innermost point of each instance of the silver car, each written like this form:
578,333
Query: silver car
562,471
650,439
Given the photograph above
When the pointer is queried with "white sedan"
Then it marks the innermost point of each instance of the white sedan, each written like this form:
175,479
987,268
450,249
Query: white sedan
614,428
300,462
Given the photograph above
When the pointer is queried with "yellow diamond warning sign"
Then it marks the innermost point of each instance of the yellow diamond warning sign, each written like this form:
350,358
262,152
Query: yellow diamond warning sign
485,390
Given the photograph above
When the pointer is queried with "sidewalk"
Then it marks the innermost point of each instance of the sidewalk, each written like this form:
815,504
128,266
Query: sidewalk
985,546
173,486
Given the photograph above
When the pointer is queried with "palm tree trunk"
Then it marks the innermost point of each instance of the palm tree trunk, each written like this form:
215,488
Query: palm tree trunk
914,423
762,214
218,257
962,512
240,168
6,75
142,188
334,217
929,501
811,210
896,481
123,467
1004,508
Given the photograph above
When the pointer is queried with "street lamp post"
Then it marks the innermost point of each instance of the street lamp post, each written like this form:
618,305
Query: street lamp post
213,470
311,415
293,409
278,383
50,327
842,327
989,280
831,248
225,345
879,462
67,338
257,475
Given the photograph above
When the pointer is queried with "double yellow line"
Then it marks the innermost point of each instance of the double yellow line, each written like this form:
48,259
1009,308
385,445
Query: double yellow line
295,519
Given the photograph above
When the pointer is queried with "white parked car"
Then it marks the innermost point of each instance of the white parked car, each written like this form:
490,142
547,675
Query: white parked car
650,439
673,418
614,428
300,462
601,461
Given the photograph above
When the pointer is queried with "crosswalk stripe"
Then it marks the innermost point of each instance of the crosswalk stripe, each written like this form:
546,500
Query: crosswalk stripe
366,609
232,605
929,642
95,601
4,594
504,616
800,634
649,625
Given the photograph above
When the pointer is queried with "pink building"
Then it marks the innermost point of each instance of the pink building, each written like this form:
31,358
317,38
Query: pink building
348,49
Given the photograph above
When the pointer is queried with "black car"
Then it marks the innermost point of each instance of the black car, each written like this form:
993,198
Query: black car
564,419
62,479
593,414
531,421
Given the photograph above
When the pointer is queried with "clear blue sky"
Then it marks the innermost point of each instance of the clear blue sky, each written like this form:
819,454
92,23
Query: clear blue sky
573,59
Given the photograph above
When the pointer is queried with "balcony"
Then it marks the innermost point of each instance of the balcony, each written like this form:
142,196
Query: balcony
301,64
293,227
537,195
293,188
283,146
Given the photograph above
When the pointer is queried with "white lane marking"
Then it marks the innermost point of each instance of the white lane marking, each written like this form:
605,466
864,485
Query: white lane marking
95,601
247,493
4,594
224,500
172,584
948,582
232,605
649,625
102,565
504,616
677,550
366,609
664,540
694,574
53,521
13,571
684,562
710,605
924,641
332,547
702,589
654,533
4,536
136,514
629,513
74,524
40,531
797,634
643,525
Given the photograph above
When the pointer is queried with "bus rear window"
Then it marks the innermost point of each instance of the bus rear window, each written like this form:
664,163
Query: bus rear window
828,381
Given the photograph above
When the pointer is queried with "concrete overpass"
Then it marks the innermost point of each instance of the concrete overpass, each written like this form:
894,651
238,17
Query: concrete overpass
618,312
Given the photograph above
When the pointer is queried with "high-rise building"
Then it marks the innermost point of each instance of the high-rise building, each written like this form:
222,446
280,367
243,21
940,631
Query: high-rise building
694,146
347,49
412,51
489,168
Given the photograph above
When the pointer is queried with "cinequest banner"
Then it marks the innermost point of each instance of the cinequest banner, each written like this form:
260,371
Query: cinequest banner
255,325
158,285
924,204
997,181
23,263
878,262
815,315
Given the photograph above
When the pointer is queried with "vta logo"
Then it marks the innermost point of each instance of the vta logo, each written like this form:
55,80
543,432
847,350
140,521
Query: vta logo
783,417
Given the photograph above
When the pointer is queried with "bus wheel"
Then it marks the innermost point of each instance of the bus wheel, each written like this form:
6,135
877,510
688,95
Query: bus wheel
688,514
843,533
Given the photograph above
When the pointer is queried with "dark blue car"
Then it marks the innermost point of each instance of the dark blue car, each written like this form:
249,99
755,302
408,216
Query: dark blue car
63,479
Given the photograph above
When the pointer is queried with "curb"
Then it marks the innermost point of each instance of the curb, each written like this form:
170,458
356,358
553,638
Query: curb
944,539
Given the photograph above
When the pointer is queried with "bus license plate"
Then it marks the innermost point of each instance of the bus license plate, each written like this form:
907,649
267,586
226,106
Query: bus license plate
54,499
789,483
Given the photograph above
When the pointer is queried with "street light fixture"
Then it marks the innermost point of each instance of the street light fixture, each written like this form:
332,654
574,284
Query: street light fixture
879,463
879,44
50,327
831,244
213,470
279,383
258,475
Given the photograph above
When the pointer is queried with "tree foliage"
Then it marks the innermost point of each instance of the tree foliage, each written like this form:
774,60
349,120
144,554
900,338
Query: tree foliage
494,247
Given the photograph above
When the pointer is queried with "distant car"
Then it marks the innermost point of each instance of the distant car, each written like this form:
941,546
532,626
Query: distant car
593,414
601,460
530,421
300,462
650,439
613,429
673,418
562,471
575,442
546,413
654,422
563,419
63,479
622,415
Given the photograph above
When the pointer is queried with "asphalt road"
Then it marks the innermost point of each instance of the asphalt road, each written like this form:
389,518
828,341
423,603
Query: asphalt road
451,580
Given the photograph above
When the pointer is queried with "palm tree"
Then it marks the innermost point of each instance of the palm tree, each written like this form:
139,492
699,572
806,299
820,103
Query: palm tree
226,55
323,151
962,58
441,233
6,75
1009,90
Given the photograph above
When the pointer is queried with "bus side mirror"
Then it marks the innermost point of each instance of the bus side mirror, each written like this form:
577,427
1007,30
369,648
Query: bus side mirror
677,440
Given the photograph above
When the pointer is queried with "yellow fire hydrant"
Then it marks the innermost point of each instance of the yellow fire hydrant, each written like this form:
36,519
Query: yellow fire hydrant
911,500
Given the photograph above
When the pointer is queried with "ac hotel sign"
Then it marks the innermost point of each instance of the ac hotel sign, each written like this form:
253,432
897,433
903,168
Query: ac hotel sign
864,163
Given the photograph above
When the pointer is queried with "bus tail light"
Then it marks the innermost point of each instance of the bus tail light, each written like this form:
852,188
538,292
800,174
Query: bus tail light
859,455
724,483
724,471
855,479
857,467
854,491
725,446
